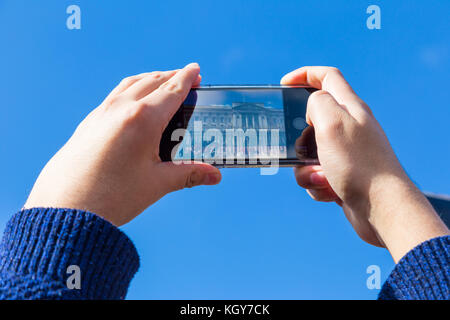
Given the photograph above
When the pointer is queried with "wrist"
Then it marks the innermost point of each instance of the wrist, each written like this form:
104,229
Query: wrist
402,216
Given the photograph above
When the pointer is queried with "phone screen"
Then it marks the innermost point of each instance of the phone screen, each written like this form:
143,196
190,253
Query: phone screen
241,126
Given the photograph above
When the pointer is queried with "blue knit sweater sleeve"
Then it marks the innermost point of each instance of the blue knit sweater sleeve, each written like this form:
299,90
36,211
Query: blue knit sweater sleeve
44,252
64,254
423,273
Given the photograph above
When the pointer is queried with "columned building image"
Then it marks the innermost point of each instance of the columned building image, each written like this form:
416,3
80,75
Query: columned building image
240,115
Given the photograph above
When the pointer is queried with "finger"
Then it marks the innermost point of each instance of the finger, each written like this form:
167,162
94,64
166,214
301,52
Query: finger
324,78
168,98
184,175
148,84
124,84
328,79
326,115
305,145
311,177
197,82
323,195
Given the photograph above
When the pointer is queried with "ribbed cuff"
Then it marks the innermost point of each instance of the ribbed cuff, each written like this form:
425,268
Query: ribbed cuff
44,242
422,274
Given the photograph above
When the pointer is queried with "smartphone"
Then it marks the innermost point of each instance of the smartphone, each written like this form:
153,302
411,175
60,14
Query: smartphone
242,126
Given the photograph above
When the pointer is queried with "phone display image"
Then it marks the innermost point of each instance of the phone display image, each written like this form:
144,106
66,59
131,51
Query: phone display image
239,126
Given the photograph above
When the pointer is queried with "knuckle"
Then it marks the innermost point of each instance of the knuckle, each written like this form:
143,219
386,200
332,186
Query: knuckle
172,88
369,112
192,179
335,70
365,119
133,115
313,194
156,75
322,195
116,100
316,95
189,182
177,185
316,98
333,128
128,80
302,180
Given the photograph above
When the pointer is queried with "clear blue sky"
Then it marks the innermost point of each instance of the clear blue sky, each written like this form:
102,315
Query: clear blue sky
252,236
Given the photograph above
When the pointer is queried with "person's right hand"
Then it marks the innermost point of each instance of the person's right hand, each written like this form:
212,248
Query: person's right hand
111,165
359,169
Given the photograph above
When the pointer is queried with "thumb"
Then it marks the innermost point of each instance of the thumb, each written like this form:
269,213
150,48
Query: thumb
180,176
324,112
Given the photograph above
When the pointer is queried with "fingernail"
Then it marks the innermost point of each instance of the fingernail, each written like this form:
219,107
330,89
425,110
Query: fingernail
285,78
211,178
193,65
318,178
300,148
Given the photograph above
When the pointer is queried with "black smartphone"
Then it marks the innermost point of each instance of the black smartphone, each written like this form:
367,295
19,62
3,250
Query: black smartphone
242,126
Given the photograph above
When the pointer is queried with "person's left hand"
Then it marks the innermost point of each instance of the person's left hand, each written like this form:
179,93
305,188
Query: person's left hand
111,165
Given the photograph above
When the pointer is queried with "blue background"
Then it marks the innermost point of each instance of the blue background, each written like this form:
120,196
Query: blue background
252,236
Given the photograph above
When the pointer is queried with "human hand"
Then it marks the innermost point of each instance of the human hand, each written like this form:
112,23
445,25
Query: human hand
111,165
358,168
